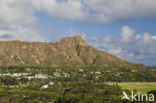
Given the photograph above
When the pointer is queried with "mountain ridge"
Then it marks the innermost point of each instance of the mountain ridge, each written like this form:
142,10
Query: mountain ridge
72,51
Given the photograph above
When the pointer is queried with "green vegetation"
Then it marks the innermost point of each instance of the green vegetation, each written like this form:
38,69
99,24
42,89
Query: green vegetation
143,87
36,84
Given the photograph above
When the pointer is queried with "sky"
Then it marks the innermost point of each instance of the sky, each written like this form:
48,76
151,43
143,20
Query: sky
125,28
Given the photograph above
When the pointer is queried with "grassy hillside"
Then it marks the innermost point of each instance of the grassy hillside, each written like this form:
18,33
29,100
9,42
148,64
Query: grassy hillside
143,87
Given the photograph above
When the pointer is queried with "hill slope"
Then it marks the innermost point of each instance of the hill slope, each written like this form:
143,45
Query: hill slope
68,51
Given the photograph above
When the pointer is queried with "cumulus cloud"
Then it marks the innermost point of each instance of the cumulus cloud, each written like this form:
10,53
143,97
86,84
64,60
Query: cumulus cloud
127,34
108,39
139,48
96,11
62,9
93,11
20,32
17,21
18,15
16,11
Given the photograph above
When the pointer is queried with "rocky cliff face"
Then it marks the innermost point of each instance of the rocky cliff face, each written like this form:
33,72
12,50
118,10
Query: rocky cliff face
68,51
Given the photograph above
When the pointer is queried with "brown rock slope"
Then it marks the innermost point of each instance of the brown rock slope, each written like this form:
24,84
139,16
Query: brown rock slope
68,51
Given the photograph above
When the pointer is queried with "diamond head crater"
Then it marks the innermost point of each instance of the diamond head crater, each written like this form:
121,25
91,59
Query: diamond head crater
69,71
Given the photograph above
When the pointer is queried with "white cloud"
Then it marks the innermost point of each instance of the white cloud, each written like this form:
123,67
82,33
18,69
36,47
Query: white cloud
108,39
96,11
16,11
19,14
137,37
147,38
127,34
62,9
18,32
92,11
17,21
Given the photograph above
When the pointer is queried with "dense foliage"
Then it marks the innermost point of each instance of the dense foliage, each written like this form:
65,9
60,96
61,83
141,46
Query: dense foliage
33,84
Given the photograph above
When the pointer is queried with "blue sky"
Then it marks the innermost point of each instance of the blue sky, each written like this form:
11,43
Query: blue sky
141,25
126,29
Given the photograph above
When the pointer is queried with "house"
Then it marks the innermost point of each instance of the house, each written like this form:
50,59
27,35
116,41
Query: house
97,72
66,74
133,70
41,76
81,70
56,74
51,83
45,86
